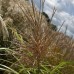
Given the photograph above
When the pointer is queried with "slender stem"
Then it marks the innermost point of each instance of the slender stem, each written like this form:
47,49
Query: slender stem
38,64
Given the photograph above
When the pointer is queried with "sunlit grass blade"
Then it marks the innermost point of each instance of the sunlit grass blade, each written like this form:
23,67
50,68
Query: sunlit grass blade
59,66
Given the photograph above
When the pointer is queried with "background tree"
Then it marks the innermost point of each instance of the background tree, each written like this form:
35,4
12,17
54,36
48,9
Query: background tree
53,27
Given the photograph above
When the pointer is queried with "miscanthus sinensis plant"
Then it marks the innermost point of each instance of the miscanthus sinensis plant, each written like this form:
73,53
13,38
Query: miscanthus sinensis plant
31,54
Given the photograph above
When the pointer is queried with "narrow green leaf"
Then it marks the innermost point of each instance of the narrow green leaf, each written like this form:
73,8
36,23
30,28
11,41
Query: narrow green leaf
9,69
57,67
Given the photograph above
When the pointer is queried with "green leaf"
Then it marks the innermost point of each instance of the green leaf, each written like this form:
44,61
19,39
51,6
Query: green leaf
58,67
8,69
18,36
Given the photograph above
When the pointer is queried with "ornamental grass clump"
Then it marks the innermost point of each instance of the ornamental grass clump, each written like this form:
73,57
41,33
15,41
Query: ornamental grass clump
35,45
